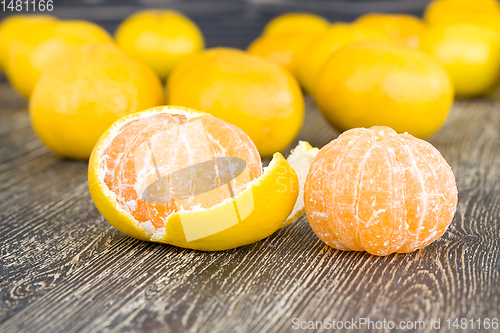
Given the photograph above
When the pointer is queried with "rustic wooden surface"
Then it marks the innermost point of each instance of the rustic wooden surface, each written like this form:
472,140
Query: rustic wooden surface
63,268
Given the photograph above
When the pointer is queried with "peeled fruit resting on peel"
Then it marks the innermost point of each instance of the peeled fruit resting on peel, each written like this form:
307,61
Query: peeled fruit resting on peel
376,191
77,99
160,38
182,177
259,97
295,23
368,83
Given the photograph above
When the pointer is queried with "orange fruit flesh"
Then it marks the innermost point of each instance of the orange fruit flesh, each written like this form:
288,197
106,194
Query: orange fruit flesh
373,190
146,149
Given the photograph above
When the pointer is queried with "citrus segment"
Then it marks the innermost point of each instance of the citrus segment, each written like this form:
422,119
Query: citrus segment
376,191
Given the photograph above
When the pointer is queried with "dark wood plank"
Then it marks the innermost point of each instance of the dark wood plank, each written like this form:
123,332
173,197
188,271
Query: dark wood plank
64,268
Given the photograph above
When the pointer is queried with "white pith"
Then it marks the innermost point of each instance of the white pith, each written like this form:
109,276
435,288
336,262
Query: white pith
300,160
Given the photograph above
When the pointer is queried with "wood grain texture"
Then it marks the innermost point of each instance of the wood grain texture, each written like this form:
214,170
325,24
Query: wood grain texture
63,268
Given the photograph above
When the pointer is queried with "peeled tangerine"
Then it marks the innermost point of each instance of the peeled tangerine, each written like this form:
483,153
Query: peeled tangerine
376,191
182,177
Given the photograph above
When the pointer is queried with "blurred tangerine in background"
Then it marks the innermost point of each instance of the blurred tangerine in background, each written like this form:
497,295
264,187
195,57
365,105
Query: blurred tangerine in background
48,43
371,83
285,38
13,27
470,54
261,98
406,30
283,50
302,23
323,46
465,37
453,11
160,38
79,97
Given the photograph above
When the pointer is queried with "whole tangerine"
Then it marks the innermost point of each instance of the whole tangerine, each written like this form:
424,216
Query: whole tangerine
469,53
442,11
370,83
160,38
16,26
76,100
259,97
376,191
404,29
295,23
47,44
321,47
283,50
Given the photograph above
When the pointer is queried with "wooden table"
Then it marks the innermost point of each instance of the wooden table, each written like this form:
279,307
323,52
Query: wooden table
63,268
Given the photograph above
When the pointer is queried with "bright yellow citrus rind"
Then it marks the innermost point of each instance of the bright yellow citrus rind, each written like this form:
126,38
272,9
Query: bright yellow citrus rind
160,38
16,26
295,23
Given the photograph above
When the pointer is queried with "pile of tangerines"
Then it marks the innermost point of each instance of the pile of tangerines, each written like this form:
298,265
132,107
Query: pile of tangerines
183,165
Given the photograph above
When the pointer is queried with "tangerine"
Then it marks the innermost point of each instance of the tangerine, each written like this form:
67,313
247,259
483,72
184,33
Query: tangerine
245,90
442,11
78,98
368,83
376,191
319,49
404,29
15,26
49,43
159,38
283,50
295,23
163,175
469,53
